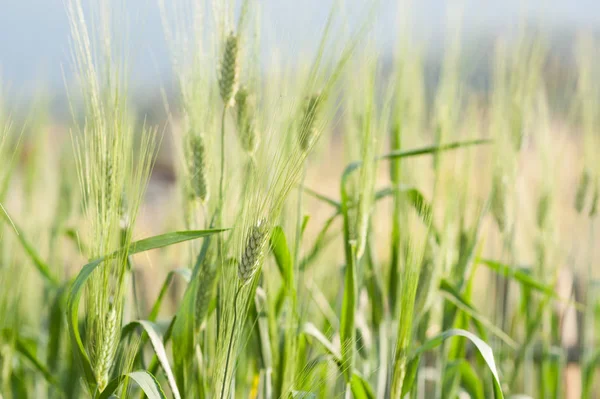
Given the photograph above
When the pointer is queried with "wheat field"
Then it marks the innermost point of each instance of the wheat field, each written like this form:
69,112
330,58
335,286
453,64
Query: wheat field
340,227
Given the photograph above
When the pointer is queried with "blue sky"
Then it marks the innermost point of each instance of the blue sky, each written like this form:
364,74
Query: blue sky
34,34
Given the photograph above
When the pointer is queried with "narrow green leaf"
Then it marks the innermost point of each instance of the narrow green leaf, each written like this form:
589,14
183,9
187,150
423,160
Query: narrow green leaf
24,350
322,198
167,239
37,260
360,387
411,375
159,349
518,275
470,381
281,251
74,237
312,331
146,381
433,149
589,370
483,348
183,325
304,224
321,242
56,326
186,274
452,294
347,327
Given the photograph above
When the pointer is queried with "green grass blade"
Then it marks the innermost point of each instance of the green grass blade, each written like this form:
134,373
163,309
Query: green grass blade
159,349
56,326
165,240
184,324
360,387
519,276
587,378
320,242
148,383
262,309
312,331
37,260
458,300
186,274
24,350
470,381
347,326
283,257
322,198
483,348
410,377
433,149
145,380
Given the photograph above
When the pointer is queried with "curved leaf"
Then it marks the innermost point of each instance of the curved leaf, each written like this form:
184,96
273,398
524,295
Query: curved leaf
360,387
146,381
37,260
28,354
483,348
452,295
157,344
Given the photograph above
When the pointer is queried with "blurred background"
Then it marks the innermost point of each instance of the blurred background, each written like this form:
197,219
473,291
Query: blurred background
35,50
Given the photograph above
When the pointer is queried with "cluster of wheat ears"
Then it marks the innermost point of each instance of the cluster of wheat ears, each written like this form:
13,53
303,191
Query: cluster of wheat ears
394,293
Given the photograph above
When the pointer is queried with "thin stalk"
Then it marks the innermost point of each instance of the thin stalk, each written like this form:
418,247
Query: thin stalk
237,292
291,340
222,177
395,172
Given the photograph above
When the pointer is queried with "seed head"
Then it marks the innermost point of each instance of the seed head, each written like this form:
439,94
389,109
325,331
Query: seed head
253,252
106,350
229,73
105,196
245,120
308,131
197,168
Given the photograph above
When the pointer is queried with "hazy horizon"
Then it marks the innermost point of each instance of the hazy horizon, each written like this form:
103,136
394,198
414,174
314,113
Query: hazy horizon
34,50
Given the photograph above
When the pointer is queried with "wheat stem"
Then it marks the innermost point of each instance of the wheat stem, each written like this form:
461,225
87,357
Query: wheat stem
237,292
222,177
